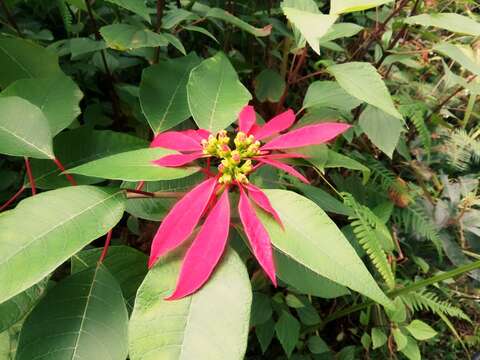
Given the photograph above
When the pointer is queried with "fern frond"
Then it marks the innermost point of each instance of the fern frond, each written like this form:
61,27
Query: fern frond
417,118
370,231
462,149
413,219
66,15
386,178
427,301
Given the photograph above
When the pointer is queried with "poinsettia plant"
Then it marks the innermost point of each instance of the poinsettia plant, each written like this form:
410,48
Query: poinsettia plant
236,160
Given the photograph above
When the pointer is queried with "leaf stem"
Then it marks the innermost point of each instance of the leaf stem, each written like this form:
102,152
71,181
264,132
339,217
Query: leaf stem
137,194
160,8
62,169
31,179
12,199
106,246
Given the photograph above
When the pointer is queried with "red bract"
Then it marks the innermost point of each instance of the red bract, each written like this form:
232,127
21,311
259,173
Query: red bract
210,199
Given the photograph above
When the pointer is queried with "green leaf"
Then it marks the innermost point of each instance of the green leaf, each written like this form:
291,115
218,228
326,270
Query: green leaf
337,160
58,97
420,330
400,339
136,165
269,86
330,95
398,313
312,239
82,317
136,6
261,309
201,31
211,324
43,231
448,21
128,37
8,342
264,333
340,30
82,46
15,309
312,25
346,6
465,55
323,199
305,280
411,350
215,94
24,130
378,338
317,345
163,92
223,15
382,129
287,329
77,147
119,259
24,59
362,81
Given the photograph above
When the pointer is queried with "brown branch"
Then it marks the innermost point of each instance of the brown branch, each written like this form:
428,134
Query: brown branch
160,8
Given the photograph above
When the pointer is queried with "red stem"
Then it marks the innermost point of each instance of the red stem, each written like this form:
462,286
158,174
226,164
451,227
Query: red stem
105,247
135,191
30,176
62,169
12,199
140,185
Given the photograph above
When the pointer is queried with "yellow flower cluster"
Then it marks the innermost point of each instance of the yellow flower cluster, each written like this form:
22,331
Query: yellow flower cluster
234,164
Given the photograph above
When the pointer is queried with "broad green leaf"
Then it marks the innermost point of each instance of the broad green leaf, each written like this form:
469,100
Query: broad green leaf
340,30
261,309
346,6
323,199
175,42
305,280
420,330
58,97
163,92
127,37
269,86
223,15
175,16
448,21
398,313
329,94
465,55
126,264
82,317
211,324
136,165
265,333
43,231
136,6
215,94
411,350
382,129
15,309
309,6
201,31
82,46
287,329
378,338
77,147
24,59
24,130
312,239
317,345
311,25
361,80
400,339
337,160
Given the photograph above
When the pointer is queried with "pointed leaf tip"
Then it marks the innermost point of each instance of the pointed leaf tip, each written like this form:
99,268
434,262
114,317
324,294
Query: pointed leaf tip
179,223
206,250
307,135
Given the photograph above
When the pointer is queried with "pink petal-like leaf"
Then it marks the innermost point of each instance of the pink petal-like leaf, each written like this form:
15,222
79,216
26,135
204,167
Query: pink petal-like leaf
308,135
257,236
181,220
283,156
206,250
176,140
197,135
277,124
176,160
257,195
287,168
246,119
